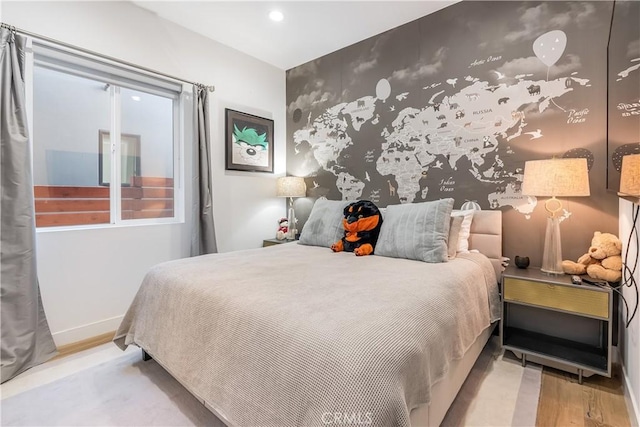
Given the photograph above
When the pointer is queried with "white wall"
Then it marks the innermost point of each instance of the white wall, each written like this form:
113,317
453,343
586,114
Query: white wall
89,277
630,343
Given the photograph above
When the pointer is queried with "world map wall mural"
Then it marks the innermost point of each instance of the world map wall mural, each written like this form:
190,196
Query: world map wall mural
453,104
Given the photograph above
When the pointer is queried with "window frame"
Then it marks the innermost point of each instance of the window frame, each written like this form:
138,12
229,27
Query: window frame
178,98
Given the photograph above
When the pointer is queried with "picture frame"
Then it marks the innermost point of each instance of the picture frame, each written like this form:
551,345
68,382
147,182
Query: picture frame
623,92
249,144
129,152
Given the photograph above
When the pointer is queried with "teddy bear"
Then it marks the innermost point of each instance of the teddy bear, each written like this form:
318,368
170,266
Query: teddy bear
602,262
283,229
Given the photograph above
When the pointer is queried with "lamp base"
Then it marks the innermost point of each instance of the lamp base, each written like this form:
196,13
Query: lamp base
291,218
552,256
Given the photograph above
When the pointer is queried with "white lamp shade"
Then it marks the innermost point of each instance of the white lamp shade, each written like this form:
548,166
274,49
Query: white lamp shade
630,175
556,177
291,186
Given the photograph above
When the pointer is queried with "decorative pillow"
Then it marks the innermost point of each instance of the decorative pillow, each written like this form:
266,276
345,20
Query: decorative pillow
465,230
324,226
416,231
454,235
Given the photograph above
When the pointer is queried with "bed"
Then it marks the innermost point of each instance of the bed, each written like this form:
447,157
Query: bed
298,335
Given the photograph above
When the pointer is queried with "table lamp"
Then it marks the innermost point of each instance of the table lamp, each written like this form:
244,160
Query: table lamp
630,178
555,177
291,186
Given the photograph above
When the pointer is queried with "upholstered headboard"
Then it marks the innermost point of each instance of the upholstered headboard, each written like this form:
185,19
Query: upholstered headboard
486,237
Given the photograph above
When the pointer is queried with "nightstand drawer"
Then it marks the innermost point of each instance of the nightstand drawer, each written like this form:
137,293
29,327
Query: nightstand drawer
572,299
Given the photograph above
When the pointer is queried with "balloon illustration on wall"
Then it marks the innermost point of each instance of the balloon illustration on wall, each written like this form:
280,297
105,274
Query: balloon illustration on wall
383,89
550,46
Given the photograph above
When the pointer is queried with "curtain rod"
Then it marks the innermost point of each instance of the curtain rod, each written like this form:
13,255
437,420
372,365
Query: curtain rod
100,55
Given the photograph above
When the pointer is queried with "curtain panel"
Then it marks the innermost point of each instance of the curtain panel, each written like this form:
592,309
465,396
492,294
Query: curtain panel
25,336
203,238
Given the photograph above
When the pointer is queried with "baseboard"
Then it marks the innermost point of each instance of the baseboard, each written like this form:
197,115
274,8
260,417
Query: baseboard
631,400
77,347
91,330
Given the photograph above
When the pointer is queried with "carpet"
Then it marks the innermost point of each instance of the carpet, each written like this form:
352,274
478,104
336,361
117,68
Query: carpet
497,392
126,391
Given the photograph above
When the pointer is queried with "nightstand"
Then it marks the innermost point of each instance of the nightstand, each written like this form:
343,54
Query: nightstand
556,323
271,242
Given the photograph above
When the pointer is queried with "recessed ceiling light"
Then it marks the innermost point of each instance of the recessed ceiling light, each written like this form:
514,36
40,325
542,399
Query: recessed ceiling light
276,15
135,98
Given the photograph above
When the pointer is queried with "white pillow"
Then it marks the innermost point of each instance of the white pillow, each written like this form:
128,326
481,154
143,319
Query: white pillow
465,229
454,235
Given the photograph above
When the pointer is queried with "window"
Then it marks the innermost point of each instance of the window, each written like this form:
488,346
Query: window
105,142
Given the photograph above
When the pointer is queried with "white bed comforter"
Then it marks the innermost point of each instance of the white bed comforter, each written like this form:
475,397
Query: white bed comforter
293,335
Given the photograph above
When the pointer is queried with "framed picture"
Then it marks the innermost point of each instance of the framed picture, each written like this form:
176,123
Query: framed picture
623,91
130,155
248,142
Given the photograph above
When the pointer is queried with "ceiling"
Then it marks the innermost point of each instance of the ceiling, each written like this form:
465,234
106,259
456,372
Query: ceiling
310,29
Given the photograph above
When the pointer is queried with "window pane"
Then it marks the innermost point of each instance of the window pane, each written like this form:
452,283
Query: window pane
147,155
68,113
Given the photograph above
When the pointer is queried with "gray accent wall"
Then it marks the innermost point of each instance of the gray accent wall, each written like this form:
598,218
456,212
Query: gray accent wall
452,105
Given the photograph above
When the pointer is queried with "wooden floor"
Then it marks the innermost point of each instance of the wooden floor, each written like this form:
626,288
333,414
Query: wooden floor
598,401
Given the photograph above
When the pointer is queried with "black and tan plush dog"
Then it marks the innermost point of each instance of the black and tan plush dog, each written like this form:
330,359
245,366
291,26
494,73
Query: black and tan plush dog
362,222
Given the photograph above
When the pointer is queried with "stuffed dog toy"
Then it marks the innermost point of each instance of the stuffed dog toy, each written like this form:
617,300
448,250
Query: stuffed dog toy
362,221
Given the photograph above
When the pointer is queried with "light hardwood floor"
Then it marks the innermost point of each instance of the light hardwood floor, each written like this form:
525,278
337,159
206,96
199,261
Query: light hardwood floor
598,401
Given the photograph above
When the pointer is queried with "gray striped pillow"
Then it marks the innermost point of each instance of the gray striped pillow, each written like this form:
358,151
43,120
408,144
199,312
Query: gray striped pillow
416,231
324,226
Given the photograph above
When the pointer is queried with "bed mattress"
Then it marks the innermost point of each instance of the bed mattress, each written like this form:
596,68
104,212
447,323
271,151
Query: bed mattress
299,335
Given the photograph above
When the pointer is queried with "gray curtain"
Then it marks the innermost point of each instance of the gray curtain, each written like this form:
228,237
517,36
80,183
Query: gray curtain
25,335
203,238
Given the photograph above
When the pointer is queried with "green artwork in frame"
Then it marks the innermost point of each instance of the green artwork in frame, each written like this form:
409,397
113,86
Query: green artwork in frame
248,142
